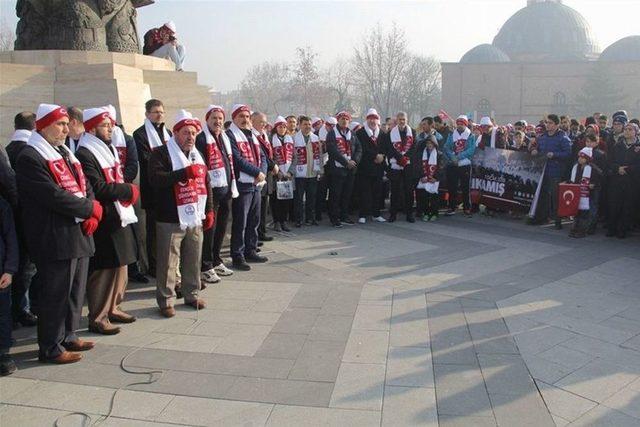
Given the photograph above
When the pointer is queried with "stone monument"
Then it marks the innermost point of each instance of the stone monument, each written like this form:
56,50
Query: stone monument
99,25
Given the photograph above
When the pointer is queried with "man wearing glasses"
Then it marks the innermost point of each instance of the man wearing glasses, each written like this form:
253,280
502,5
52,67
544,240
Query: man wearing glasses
148,137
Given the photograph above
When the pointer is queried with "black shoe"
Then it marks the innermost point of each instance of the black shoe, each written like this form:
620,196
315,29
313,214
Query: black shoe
139,277
265,238
411,219
255,258
178,293
558,225
259,244
285,227
28,319
240,264
337,224
7,365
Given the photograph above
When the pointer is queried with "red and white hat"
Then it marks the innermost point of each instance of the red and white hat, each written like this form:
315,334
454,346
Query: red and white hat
342,114
48,114
372,113
586,152
238,108
486,121
331,120
112,112
462,119
185,118
92,117
279,121
214,109
171,26
315,121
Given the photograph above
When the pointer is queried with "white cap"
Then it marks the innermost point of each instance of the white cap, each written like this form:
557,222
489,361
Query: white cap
586,152
464,118
486,121
49,113
372,112
279,120
185,118
238,108
315,120
91,117
212,108
331,120
171,25
112,112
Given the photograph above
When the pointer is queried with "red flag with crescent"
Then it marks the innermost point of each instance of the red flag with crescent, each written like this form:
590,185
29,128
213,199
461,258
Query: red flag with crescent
568,199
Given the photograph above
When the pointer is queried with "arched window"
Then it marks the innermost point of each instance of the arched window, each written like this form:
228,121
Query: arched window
559,98
484,107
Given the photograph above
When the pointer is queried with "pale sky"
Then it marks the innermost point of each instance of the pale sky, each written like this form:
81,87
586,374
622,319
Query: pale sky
225,38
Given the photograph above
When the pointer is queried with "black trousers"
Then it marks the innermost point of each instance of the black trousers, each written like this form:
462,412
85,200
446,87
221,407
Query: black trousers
427,203
402,187
321,196
23,287
459,177
369,189
62,298
246,218
340,189
279,208
214,237
151,240
621,193
264,207
304,199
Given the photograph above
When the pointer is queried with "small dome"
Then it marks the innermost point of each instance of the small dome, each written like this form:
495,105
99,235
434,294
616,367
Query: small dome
547,31
626,49
484,53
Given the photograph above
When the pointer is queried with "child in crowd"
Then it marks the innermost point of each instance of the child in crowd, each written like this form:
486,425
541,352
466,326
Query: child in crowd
583,173
427,197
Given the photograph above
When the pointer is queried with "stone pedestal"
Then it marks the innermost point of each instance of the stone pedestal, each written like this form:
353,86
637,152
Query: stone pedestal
88,79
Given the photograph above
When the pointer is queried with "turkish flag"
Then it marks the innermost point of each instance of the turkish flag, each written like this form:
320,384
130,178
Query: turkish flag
568,199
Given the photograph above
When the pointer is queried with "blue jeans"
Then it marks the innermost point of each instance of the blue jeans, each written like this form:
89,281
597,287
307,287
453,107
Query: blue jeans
5,320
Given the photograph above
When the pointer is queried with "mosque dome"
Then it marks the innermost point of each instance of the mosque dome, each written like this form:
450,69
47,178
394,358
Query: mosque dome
625,49
547,31
484,53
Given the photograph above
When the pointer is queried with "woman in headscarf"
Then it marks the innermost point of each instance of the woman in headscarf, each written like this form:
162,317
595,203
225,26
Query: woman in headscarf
282,144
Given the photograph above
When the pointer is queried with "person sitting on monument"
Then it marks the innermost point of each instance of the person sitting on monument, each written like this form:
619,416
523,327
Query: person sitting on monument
163,43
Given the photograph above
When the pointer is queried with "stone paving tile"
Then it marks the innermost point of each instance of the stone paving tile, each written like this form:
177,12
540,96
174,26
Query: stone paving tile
409,406
273,301
187,384
409,333
318,361
297,321
197,344
506,374
288,392
366,347
465,421
526,410
372,318
38,417
292,416
331,328
213,412
359,386
460,390
281,346
409,367
626,400
563,404
596,381
566,357
12,386
605,417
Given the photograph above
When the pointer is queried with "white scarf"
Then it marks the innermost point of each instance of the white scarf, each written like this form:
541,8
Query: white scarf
429,167
396,140
107,157
152,135
218,173
344,145
584,185
282,152
119,142
493,138
459,143
21,135
246,151
58,167
300,148
373,134
191,195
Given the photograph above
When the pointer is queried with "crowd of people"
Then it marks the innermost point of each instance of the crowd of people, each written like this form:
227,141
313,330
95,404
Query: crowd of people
69,197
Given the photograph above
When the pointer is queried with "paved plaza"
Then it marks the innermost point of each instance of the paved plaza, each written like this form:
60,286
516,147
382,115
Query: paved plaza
462,322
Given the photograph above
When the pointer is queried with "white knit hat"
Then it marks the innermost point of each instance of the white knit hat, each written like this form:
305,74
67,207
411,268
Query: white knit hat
185,118
171,25
372,112
91,117
49,113
486,121
238,108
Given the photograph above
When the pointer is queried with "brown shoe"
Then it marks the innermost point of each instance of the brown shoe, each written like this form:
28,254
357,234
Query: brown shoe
198,304
104,329
62,359
168,312
79,345
121,317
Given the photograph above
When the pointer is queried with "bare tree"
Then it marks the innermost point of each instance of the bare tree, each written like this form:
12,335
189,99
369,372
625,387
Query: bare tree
379,64
306,80
7,36
420,87
266,87
339,80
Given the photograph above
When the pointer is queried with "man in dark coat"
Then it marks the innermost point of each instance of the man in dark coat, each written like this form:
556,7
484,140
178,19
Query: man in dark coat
23,289
250,164
399,146
371,168
59,216
215,148
184,207
76,129
345,153
114,239
148,137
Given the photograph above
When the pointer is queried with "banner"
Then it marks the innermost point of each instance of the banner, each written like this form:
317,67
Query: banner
506,179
